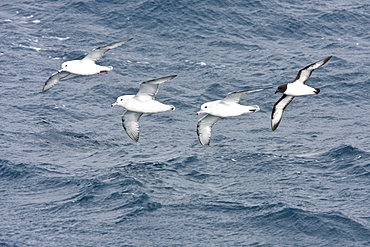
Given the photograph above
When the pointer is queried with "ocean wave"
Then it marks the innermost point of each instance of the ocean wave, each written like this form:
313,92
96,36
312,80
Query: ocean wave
302,224
348,159
346,153
20,171
55,37
116,193
9,170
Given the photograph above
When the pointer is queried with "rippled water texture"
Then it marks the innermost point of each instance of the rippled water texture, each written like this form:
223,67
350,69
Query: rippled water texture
70,176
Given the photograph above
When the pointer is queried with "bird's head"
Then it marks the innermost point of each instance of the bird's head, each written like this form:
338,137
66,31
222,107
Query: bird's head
65,65
281,89
71,65
121,100
205,108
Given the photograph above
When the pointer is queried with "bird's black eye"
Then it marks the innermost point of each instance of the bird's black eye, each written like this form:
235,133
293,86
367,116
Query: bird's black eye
205,106
121,99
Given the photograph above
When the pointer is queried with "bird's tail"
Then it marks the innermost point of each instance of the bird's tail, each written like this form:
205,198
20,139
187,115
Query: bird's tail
254,108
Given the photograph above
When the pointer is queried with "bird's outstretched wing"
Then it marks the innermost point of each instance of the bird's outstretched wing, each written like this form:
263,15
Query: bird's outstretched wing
97,53
235,97
130,122
306,72
53,79
204,128
149,89
277,112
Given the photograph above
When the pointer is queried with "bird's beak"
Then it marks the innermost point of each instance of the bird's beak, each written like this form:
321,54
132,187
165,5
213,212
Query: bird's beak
114,104
277,91
200,112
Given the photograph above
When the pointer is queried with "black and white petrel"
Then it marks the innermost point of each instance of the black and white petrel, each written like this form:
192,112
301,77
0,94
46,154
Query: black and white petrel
85,66
295,88
227,107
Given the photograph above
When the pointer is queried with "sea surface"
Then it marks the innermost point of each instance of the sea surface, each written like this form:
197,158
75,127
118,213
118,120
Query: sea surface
70,176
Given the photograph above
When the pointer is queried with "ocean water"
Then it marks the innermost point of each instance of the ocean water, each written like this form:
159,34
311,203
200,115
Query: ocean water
70,176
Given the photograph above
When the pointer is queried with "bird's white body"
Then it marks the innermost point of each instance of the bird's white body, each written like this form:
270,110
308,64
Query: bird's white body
299,89
227,109
84,67
133,103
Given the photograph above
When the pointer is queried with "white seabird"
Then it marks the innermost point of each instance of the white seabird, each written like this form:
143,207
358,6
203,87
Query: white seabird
143,102
295,88
85,66
227,107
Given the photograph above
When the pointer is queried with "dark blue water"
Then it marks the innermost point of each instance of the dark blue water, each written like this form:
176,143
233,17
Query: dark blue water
70,176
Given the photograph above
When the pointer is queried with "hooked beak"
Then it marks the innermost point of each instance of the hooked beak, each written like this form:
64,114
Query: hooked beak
114,104
200,112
